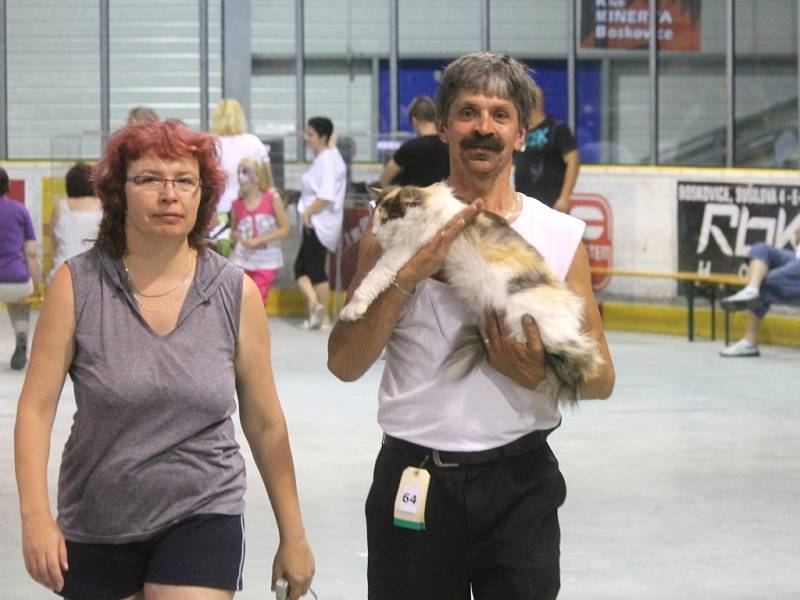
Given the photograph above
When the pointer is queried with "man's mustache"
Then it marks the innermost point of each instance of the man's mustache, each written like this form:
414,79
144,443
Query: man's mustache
482,142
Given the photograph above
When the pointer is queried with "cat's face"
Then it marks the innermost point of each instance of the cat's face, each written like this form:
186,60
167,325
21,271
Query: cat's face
394,202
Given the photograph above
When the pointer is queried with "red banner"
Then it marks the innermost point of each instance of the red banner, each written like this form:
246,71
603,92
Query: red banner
625,24
354,221
595,211
16,190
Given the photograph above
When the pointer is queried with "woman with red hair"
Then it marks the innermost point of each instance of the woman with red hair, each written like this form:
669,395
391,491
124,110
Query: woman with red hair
159,337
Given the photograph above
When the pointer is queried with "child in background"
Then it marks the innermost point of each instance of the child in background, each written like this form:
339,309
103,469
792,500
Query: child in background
258,224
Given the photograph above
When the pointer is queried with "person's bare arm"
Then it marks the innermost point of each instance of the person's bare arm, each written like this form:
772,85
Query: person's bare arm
354,346
313,208
573,162
390,171
234,227
579,279
32,261
43,544
264,427
55,215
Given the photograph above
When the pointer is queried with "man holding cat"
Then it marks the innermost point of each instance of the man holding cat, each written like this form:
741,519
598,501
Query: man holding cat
466,490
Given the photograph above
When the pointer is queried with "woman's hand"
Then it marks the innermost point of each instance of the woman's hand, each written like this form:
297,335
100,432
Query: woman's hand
295,562
45,551
524,363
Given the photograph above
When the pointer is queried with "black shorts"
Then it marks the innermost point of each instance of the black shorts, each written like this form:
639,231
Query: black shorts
202,551
311,258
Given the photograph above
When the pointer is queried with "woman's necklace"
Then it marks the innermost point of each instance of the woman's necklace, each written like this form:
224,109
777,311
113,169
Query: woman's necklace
139,295
507,216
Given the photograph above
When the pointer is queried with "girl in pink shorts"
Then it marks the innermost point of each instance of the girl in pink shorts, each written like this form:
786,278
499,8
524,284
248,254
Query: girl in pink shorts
258,224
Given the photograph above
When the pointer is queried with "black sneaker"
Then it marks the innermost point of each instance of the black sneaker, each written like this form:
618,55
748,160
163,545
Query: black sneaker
20,357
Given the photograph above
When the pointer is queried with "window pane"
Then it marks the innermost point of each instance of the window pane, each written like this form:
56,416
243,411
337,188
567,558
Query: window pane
691,95
273,96
155,59
431,34
536,34
343,39
53,79
766,84
612,104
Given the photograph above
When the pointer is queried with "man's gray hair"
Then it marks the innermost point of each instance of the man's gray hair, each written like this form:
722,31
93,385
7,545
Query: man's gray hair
497,74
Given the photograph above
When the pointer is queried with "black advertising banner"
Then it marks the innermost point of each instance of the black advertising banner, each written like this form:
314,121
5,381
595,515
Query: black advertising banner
625,24
718,222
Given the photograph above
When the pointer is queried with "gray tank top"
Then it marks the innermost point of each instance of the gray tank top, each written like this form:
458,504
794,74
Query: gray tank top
152,439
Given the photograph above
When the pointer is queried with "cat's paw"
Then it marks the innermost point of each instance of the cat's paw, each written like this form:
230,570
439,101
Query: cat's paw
353,311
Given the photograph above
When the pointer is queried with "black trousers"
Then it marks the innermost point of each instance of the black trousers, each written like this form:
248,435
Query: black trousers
491,529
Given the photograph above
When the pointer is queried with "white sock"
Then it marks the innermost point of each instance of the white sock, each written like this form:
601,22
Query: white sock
751,289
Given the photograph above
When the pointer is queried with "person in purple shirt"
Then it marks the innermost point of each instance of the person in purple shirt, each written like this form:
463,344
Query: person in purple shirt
19,269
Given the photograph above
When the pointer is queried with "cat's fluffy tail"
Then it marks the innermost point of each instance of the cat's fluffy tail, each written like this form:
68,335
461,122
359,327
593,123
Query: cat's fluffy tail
467,352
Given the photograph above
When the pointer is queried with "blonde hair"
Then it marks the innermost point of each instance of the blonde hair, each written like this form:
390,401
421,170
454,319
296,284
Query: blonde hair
228,118
261,170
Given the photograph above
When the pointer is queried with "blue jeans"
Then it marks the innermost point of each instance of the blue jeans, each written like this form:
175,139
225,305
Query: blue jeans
782,283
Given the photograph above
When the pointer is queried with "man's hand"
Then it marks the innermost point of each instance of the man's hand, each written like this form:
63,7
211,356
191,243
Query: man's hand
307,221
524,363
430,258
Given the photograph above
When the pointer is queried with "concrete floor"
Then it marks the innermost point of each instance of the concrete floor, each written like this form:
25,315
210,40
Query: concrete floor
683,486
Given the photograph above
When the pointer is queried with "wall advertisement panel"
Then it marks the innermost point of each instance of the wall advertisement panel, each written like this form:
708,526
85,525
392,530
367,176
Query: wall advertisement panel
626,24
719,221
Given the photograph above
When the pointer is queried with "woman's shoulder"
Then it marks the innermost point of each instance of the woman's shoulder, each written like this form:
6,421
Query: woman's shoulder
217,275
91,259
332,156
217,266
89,264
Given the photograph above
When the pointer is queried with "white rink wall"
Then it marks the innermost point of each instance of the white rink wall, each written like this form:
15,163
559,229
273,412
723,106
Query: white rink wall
642,213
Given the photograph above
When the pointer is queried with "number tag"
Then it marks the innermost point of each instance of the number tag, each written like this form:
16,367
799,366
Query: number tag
409,504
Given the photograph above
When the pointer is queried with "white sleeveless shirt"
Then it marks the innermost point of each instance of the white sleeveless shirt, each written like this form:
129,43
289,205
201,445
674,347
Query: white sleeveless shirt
74,231
485,409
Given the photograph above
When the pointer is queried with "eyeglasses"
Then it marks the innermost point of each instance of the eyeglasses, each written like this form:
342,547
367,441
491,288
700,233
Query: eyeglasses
184,186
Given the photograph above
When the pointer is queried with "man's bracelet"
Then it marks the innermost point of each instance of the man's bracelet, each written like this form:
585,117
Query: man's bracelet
404,291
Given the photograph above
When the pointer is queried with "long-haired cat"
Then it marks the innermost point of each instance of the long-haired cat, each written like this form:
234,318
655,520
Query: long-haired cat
489,266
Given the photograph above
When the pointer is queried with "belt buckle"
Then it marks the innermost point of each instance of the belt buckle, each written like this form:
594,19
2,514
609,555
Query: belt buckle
437,460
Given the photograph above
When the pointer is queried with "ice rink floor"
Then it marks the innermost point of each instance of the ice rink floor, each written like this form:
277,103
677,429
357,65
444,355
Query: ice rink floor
685,485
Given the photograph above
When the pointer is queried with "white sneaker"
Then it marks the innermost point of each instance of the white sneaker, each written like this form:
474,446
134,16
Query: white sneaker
742,300
315,321
741,348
